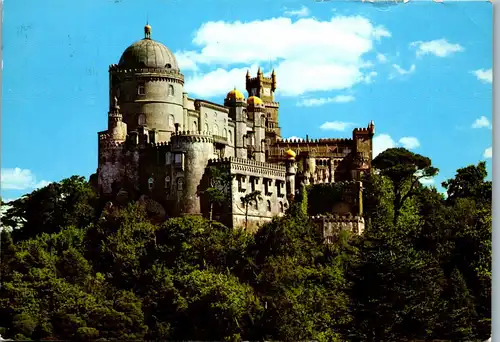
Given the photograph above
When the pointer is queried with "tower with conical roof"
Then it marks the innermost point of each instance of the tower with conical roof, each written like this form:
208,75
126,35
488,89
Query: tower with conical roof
149,86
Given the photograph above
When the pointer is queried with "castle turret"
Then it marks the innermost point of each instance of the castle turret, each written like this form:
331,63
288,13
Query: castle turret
117,129
190,152
237,105
257,111
291,171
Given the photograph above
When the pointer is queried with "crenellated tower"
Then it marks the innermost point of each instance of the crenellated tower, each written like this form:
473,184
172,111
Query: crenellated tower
264,88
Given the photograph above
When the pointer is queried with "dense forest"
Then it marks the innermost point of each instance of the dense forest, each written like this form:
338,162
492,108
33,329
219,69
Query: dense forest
76,267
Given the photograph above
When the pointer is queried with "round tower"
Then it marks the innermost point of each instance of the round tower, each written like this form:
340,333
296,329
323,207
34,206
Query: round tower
191,153
149,86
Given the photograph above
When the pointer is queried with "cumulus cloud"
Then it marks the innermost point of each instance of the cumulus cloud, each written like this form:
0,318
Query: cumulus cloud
302,12
314,102
409,142
438,47
20,179
307,54
488,153
483,75
481,122
383,142
335,125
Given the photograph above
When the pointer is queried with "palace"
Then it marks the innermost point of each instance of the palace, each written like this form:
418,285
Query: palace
160,143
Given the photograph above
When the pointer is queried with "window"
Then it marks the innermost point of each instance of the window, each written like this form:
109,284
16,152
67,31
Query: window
141,89
207,130
151,183
225,133
171,121
178,158
168,65
167,184
180,183
216,129
195,126
142,120
230,137
168,158
170,90
281,207
215,114
268,205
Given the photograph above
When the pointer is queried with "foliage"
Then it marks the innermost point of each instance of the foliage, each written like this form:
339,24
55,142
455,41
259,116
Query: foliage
78,270
322,197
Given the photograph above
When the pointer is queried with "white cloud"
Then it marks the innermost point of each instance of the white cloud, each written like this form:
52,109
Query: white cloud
427,181
483,75
488,153
383,142
324,100
438,47
293,137
381,58
335,125
369,78
308,54
409,142
302,12
20,179
481,122
401,72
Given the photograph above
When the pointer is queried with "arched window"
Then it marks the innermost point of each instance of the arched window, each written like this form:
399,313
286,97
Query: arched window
141,120
167,182
281,207
180,183
171,121
170,90
216,129
151,183
230,136
141,89
206,128
268,205
195,126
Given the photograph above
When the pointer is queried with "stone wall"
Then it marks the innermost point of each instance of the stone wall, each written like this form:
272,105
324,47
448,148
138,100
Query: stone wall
331,226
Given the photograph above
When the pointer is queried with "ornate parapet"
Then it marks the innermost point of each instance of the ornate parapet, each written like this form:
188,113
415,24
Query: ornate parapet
332,225
151,73
250,167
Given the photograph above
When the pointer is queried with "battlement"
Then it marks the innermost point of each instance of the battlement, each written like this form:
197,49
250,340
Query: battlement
315,141
362,131
116,68
331,225
192,136
238,165
338,218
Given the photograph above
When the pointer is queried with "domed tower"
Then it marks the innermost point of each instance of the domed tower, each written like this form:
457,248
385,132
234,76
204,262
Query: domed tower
237,105
149,86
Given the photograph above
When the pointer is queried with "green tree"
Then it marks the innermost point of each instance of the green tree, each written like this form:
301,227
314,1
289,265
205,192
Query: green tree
218,191
405,169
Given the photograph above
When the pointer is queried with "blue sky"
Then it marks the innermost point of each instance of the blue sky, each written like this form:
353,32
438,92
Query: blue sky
421,71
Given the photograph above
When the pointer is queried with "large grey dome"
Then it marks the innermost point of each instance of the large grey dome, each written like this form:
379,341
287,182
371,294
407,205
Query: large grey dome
147,53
